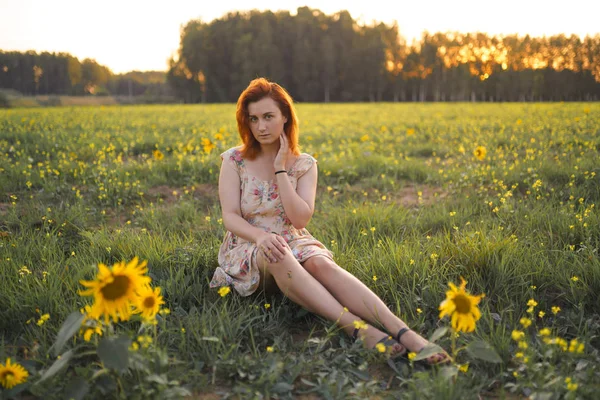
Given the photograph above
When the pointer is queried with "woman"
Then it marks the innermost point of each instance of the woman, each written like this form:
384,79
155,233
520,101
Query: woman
267,192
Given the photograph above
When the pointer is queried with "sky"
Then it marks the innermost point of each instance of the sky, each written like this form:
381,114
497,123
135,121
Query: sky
127,35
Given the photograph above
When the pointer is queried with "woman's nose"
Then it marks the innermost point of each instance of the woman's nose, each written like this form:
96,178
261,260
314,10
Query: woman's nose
261,125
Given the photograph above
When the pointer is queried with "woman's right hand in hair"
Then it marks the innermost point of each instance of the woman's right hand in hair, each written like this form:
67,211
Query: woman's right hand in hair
272,246
283,153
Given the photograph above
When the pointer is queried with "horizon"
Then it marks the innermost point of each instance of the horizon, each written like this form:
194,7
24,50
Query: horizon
118,50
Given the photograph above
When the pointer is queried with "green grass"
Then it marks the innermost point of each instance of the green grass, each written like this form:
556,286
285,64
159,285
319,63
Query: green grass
80,186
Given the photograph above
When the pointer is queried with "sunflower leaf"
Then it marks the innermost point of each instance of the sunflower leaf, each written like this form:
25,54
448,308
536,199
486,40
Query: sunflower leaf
114,353
439,332
67,330
483,351
77,389
428,351
282,387
12,393
57,366
448,372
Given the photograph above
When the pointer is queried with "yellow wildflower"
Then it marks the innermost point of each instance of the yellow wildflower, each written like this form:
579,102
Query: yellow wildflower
43,319
562,343
532,303
87,335
358,324
207,145
576,347
523,345
526,322
517,335
570,385
144,341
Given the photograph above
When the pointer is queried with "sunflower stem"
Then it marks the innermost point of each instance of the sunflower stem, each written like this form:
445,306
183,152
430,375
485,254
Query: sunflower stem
454,350
453,338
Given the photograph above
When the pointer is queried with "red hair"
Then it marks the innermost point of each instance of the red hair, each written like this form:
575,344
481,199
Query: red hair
258,89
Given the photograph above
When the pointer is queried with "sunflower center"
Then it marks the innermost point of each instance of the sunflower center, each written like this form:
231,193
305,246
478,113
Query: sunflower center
463,304
117,288
149,302
8,376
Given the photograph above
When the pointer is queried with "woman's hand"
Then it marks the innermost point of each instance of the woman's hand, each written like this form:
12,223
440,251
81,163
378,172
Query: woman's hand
283,154
273,246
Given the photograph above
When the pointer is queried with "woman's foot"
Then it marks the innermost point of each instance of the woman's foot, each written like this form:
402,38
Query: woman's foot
372,337
415,343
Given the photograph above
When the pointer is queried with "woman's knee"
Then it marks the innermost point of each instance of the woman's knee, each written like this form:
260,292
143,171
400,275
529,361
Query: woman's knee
273,267
320,266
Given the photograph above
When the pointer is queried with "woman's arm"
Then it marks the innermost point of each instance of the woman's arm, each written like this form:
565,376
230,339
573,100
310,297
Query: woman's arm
230,198
298,204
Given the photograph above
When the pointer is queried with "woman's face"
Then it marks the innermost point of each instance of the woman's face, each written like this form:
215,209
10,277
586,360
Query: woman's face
266,121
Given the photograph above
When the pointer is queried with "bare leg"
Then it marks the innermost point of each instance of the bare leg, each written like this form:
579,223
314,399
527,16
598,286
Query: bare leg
359,299
302,288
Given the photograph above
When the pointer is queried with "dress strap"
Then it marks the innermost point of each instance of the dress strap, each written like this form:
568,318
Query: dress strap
234,157
304,162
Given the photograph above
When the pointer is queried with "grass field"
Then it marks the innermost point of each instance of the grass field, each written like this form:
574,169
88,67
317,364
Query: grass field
403,202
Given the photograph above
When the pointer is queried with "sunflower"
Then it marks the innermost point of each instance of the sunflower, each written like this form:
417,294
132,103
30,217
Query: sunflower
148,302
480,152
158,155
114,289
12,374
461,307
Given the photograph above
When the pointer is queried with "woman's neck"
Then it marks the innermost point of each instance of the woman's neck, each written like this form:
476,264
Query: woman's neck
270,151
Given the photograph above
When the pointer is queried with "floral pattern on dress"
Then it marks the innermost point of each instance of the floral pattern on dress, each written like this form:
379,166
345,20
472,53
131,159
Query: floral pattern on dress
261,206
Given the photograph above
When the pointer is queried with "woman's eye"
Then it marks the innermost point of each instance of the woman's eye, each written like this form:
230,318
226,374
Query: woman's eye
269,116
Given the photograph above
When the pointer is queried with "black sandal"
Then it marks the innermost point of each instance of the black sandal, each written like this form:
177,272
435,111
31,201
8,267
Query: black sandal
422,362
388,342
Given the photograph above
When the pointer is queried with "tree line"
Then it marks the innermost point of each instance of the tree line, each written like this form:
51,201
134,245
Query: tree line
323,58
320,57
30,73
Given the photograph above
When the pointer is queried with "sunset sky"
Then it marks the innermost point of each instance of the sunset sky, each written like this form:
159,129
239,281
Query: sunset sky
130,35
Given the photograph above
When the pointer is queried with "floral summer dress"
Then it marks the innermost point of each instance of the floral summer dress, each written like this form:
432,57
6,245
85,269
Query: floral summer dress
261,207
